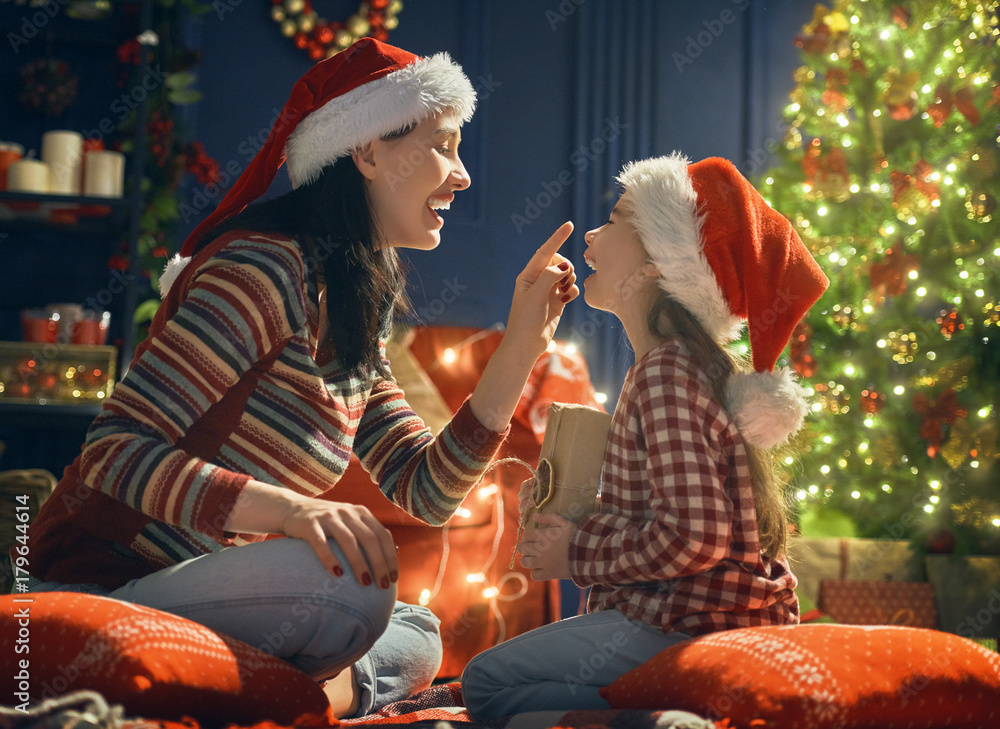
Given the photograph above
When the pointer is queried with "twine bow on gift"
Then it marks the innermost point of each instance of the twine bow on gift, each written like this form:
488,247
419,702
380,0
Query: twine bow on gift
524,517
902,617
542,477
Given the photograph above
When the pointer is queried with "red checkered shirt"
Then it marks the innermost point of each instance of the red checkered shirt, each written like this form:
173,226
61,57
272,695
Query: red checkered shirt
675,541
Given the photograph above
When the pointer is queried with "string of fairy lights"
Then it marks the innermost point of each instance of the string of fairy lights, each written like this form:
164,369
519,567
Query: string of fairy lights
504,587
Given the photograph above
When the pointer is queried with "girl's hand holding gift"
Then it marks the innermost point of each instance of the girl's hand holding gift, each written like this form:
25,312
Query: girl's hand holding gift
545,550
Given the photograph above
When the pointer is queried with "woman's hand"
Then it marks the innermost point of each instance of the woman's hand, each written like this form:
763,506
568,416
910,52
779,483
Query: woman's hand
541,293
262,508
360,536
545,550
542,290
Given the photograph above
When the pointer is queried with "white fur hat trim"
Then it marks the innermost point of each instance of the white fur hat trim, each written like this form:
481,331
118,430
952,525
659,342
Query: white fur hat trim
377,108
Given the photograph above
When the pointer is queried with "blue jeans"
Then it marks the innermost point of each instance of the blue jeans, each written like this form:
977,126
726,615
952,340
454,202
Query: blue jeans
561,665
276,596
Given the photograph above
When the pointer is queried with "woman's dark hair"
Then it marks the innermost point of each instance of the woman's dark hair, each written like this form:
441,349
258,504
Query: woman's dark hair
768,495
332,219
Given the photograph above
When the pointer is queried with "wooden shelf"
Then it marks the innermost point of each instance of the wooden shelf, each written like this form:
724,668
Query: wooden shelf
64,214
49,416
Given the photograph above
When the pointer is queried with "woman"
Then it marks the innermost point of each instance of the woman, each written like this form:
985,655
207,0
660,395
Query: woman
690,535
264,370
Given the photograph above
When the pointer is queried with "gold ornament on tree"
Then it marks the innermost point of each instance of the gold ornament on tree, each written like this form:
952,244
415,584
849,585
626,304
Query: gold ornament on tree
886,452
976,512
954,375
845,317
965,443
903,346
901,95
981,205
992,314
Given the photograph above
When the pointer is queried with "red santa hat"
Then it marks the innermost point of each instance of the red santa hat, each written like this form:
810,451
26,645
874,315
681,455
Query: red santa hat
725,255
341,104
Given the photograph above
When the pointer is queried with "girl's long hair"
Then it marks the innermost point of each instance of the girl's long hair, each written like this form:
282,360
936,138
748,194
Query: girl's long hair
719,365
332,219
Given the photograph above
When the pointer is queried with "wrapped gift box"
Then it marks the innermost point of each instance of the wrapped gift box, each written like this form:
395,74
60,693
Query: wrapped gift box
570,462
55,374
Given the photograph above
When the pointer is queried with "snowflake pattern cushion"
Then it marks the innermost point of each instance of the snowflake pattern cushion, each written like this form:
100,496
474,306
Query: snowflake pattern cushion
822,676
152,663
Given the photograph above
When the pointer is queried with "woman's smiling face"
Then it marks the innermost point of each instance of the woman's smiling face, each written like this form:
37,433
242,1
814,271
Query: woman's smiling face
411,177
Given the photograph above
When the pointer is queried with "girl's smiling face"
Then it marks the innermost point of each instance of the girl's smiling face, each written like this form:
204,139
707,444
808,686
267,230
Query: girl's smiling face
413,176
623,276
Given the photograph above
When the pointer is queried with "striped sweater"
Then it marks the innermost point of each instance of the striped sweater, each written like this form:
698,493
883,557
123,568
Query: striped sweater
233,384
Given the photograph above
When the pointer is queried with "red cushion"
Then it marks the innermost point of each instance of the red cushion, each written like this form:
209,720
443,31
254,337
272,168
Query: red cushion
155,664
822,676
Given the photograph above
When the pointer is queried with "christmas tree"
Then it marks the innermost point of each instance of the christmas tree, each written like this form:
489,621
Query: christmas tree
888,169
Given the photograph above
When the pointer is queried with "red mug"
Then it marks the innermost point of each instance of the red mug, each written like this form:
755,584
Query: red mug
92,328
39,326
9,152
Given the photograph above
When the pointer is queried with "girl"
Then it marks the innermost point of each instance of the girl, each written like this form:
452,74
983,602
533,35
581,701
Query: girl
264,369
690,534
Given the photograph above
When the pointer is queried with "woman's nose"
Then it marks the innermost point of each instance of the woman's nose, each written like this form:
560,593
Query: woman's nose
460,176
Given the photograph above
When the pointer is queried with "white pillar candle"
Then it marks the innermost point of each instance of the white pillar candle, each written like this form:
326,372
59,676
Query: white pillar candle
28,175
104,174
62,151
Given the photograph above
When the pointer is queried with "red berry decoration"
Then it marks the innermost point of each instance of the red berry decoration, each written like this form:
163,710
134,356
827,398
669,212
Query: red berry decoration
950,322
871,401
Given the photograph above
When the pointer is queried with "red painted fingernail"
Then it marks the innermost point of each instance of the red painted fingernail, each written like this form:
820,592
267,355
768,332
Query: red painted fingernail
384,583
394,575
566,299
366,579
564,282
338,571
564,266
